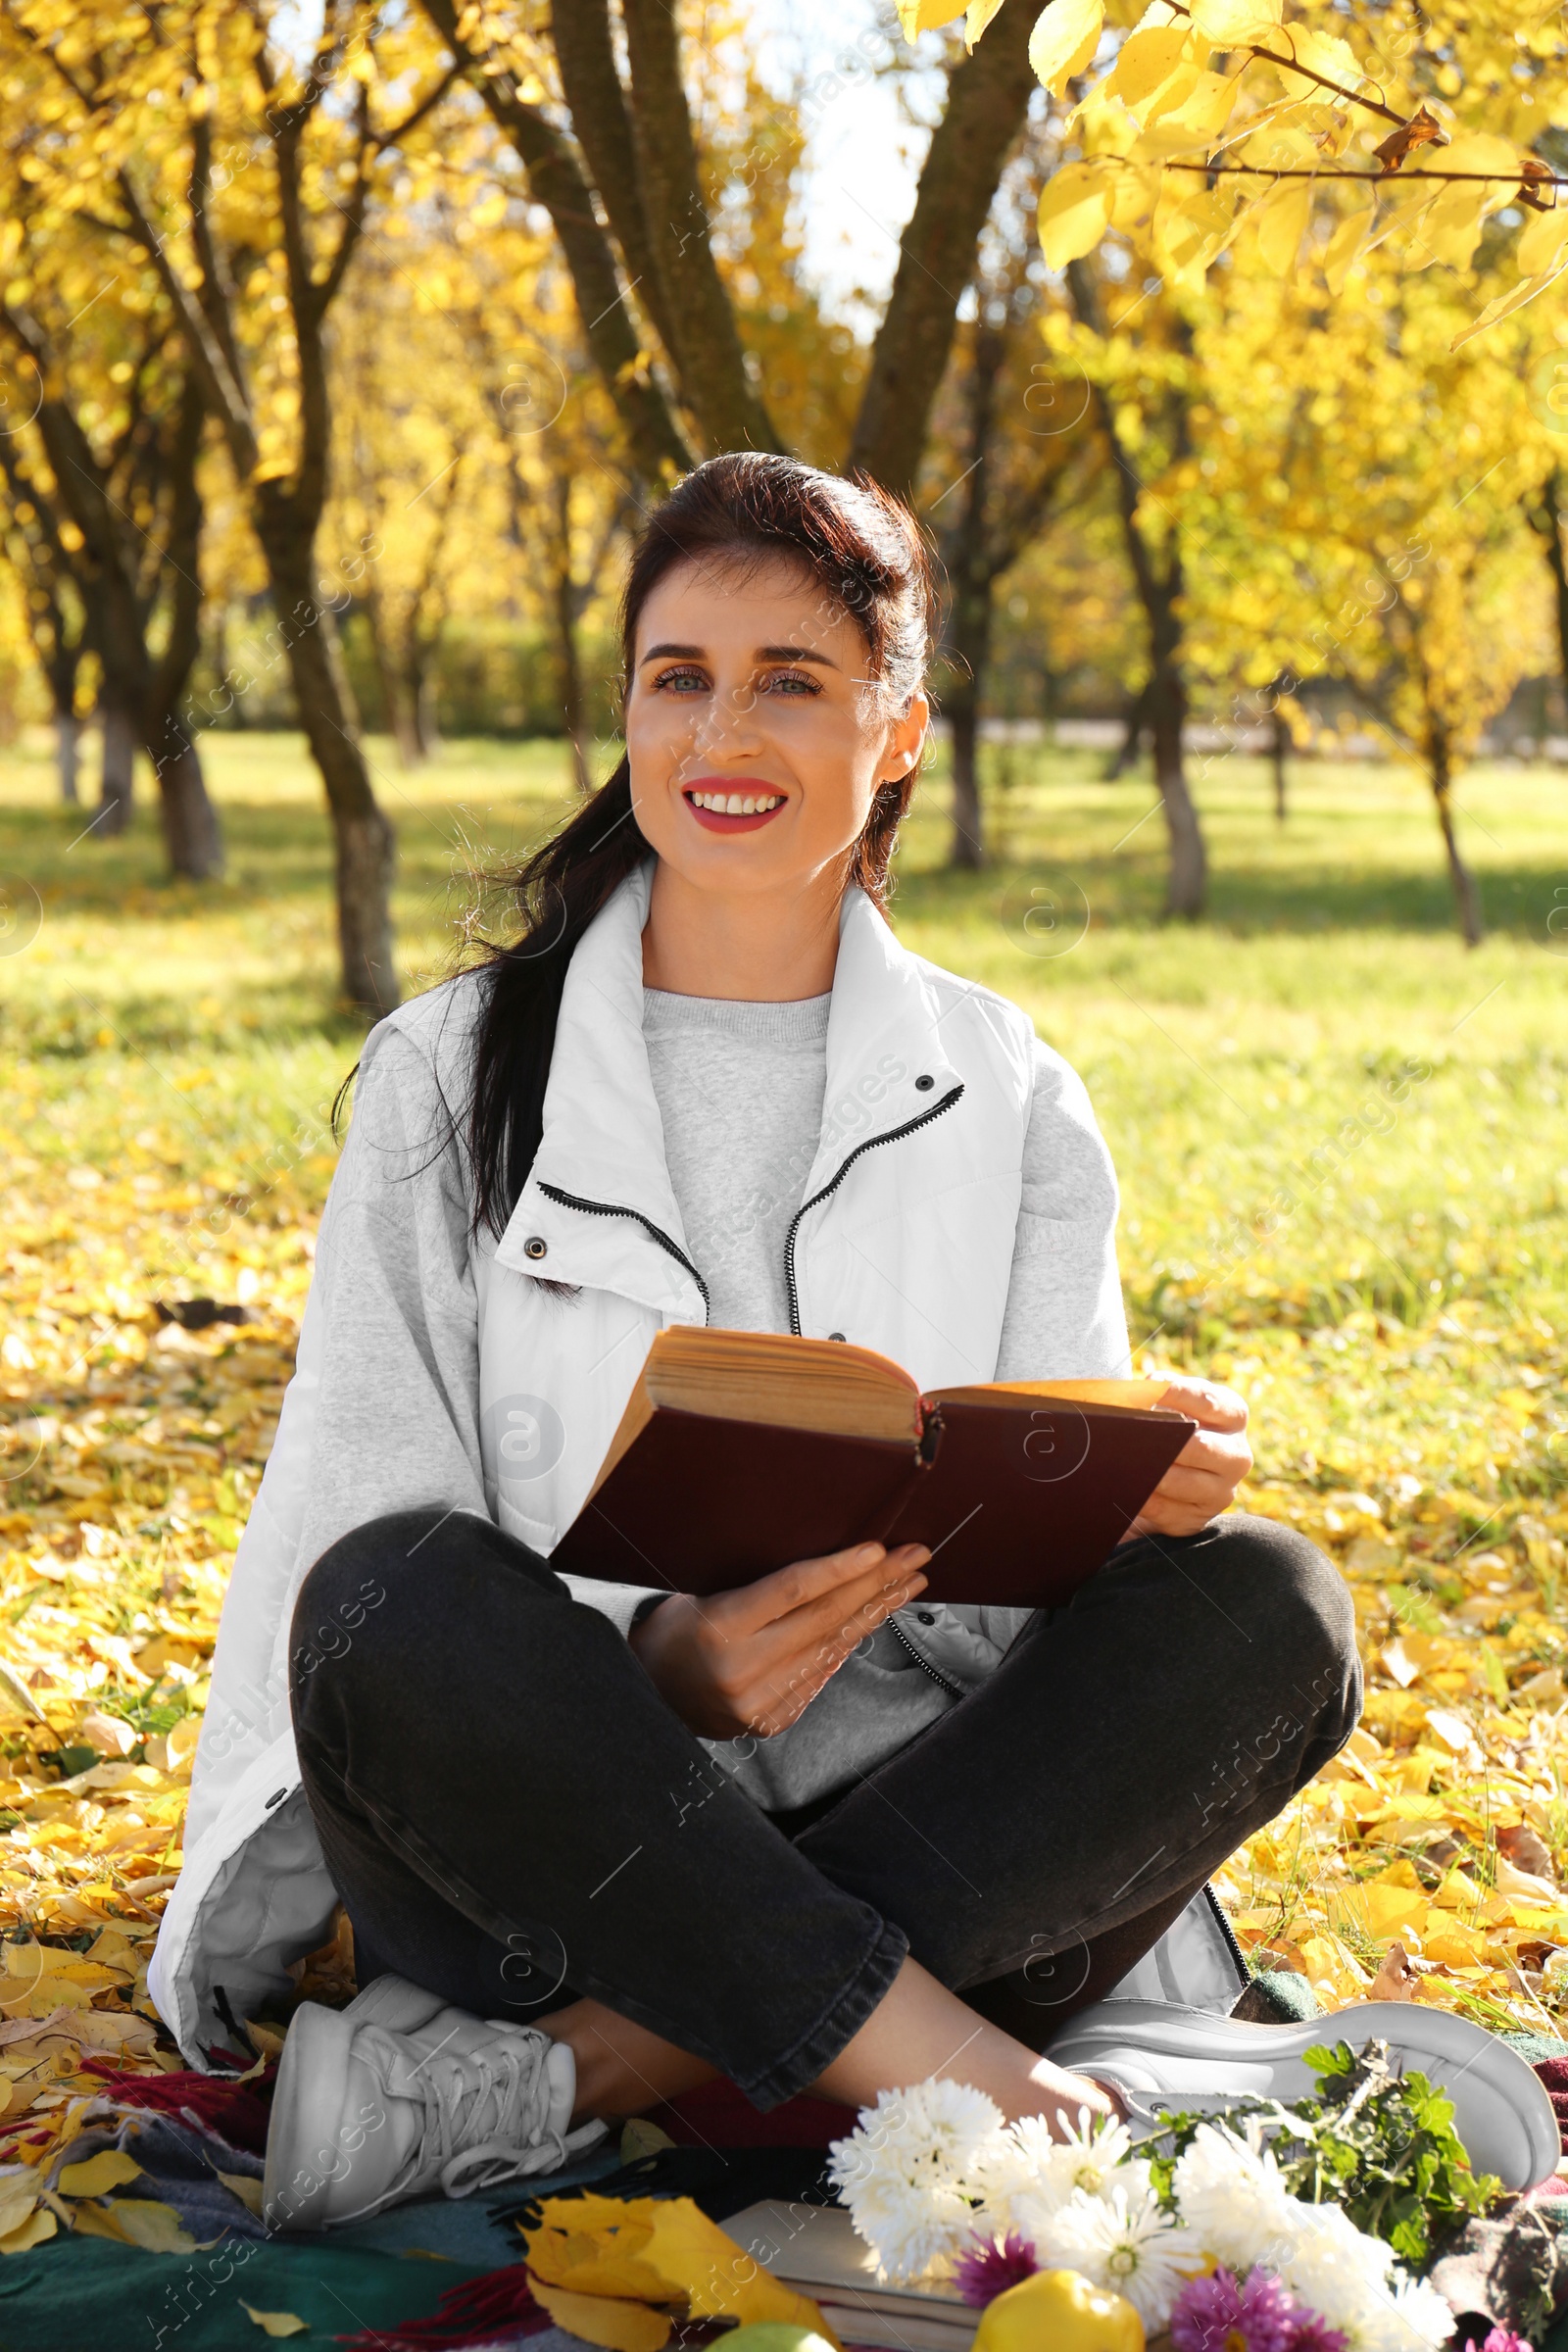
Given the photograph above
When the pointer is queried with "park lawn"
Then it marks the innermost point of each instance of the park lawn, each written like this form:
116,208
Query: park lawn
1344,1155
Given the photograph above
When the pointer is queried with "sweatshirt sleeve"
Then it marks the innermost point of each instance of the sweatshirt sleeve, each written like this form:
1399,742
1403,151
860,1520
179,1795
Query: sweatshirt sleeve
1065,1318
397,1398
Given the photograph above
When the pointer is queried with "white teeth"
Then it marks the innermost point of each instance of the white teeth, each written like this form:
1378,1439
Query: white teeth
735,803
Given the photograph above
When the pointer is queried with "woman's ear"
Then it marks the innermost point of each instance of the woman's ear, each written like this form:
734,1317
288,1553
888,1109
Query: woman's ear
905,738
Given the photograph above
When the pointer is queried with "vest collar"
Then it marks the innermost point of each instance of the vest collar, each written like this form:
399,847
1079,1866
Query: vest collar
604,1144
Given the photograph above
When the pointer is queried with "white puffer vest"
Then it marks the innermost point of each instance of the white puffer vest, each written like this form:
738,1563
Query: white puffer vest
905,1243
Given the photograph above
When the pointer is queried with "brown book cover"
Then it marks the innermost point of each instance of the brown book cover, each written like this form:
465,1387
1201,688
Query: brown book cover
742,1451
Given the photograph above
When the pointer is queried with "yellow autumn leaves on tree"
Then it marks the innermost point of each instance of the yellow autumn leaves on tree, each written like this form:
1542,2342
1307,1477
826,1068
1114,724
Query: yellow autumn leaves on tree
1223,120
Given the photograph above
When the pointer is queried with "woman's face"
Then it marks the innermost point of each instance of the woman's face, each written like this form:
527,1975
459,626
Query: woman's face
755,747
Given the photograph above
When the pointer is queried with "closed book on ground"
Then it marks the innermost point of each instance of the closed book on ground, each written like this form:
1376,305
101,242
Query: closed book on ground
741,1451
813,2248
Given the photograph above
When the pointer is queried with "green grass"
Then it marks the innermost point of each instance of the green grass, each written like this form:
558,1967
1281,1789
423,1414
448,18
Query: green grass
1342,1138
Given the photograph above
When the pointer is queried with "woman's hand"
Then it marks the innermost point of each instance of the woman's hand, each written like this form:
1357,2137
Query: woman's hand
1202,1480
754,1660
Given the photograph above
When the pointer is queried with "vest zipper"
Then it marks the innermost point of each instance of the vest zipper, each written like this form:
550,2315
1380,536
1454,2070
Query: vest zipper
940,1680
872,1142
608,1209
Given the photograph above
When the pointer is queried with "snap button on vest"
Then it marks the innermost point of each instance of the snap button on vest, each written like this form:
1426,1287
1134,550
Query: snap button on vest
924,1085
534,1245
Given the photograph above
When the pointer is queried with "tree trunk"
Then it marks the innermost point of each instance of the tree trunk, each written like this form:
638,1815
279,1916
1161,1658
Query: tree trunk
971,641
191,832
1466,894
1131,744
426,715
192,836
119,773
1547,520
1189,864
1160,591
568,665
967,853
68,746
397,689
1278,751
364,838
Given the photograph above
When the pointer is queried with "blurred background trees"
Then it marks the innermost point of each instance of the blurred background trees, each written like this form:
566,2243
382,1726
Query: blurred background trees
342,353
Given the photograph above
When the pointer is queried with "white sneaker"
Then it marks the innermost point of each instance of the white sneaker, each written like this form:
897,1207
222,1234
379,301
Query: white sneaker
1167,2056
398,2095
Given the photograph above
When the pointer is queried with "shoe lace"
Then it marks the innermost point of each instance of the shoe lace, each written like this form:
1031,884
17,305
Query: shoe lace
487,2114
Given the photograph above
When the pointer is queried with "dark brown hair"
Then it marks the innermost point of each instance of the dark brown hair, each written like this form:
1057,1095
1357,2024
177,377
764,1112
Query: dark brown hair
862,548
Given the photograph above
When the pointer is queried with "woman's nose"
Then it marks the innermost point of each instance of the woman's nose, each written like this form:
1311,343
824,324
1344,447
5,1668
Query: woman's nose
730,727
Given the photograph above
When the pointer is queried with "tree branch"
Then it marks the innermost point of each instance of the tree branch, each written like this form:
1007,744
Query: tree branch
987,100
708,357
656,443
591,85
326,287
226,395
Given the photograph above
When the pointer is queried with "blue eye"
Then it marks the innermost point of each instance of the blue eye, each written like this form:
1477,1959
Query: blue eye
682,681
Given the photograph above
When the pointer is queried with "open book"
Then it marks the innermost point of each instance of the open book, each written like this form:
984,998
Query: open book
741,1451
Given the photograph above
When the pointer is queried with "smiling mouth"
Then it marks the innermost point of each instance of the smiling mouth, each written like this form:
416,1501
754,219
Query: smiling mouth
730,811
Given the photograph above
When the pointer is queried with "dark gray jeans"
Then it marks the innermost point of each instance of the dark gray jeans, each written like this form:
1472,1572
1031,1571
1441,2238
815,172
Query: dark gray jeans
515,1818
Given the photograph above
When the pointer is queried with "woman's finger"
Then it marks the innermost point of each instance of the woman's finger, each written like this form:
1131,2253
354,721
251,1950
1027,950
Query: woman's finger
894,1574
750,1608
1192,1483
1205,1402
812,1644
797,1657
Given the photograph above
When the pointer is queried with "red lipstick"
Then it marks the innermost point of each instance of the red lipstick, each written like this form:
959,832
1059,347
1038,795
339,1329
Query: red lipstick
726,788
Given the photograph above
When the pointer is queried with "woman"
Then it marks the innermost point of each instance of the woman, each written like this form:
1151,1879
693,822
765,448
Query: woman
599,1843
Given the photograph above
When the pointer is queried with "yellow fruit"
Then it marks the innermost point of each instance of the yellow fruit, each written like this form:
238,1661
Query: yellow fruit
1058,2311
774,2335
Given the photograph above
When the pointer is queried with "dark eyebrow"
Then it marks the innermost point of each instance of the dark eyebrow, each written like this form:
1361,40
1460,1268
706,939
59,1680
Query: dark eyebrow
793,653
764,653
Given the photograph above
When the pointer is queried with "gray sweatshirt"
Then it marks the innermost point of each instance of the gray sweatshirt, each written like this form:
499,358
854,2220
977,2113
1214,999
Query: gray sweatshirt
740,1089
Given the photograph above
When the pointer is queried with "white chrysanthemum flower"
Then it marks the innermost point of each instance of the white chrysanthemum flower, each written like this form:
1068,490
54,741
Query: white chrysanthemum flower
1030,2175
910,2172
1233,2199
1414,2314
1125,2244
1330,2265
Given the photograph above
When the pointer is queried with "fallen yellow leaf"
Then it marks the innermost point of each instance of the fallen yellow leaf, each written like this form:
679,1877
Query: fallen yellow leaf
720,2279
19,2194
246,2188
109,2169
277,2322
37,2226
154,2227
613,2320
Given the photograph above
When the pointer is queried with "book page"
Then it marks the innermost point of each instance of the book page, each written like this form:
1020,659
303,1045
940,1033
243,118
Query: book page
775,1377
1132,1395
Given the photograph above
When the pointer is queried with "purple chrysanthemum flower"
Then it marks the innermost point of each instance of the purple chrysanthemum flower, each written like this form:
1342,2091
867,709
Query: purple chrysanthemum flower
1504,2339
989,2267
1224,2314
1314,2335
